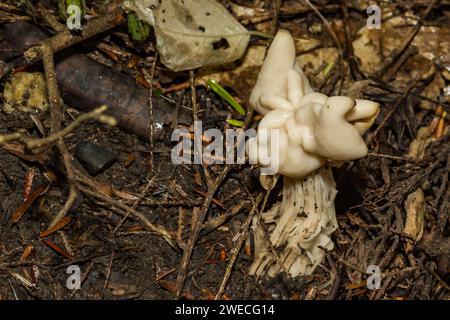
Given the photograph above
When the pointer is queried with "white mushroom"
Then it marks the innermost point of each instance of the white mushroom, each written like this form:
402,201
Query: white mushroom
300,136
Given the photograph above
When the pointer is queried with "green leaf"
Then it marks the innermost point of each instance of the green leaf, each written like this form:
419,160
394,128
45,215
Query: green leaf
327,68
236,123
138,29
219,90
157,93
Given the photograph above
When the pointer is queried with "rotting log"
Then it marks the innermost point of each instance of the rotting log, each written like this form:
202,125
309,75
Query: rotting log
86,84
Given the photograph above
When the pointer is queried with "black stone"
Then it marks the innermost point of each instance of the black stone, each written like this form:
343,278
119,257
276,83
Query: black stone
94,158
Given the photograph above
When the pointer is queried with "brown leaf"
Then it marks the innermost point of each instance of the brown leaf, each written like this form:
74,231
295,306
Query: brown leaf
223,255
440,129
129,160
198,178
356,220
27,203
168,285
246,71
172,287
415,211
19,151
58,249
61,224
26,253
29,178
120,289
133,62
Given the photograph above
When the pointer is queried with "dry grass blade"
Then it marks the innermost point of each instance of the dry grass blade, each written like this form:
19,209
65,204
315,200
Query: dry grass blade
61,224
58,249
27,203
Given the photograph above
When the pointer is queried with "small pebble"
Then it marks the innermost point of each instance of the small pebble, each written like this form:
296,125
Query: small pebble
94,158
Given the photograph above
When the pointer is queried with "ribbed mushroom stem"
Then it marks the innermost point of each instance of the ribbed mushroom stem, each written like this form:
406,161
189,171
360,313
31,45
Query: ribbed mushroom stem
300,226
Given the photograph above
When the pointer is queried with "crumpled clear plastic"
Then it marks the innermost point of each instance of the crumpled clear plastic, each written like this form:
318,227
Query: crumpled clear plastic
192,33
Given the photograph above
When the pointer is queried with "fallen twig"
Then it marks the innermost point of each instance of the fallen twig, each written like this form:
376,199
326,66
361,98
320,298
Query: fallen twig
395,107
242,236
65,39
139,215
197,223
33,143
200,217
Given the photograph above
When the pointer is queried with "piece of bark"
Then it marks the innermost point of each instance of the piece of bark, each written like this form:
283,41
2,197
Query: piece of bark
85,84
415,212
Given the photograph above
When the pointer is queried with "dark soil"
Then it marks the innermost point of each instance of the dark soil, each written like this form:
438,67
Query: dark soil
132,263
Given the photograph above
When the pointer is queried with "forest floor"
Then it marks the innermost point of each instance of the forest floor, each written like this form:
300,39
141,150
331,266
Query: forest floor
392,206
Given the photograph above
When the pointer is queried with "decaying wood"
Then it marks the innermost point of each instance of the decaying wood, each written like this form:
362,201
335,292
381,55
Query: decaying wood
86,84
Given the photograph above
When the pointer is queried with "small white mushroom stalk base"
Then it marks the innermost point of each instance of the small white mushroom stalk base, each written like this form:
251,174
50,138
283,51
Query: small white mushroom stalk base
299,227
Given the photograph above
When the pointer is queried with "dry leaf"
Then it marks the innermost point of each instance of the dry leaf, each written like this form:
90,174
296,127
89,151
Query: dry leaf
366,48
415,210
26,282
192,33
26,253
241,77
312,62
28,185
121,289
64,222
27,203
58,249
424,137
432,42
432,90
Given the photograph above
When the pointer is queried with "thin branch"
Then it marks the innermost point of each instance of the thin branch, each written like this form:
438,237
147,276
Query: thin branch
150,79
66,39
33,143
139,215
237,248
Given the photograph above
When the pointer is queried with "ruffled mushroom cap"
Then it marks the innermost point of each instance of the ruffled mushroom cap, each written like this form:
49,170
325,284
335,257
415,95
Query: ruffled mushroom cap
279,84
301,129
